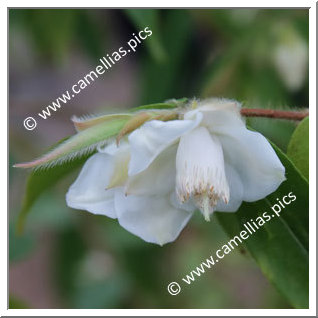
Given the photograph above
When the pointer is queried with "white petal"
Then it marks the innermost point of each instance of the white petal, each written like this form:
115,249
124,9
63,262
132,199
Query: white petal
249,153
236,192
153,137
121,157
200,170
89,192
218,114
200,164
187,206
112,148
255,161
158,178
152,218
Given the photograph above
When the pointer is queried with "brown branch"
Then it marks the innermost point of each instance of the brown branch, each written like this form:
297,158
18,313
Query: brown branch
271,113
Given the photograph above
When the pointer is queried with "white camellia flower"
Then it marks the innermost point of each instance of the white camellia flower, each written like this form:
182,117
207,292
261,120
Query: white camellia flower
164,171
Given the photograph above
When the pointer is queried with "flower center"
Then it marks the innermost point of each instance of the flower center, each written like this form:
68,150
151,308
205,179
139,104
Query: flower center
200,171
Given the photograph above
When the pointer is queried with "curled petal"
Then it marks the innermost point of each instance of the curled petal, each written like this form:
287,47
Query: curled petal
92,190
218,114
247,152
153,137
152,218
121,157
200,170
158,179
236,191
89,192
254,160
133,124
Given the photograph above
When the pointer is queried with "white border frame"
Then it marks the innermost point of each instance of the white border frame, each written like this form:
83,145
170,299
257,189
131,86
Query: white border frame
173,312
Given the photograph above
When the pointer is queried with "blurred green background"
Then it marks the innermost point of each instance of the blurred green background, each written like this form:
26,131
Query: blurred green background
72,259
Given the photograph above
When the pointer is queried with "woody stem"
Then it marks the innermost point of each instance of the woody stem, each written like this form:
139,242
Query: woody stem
271,113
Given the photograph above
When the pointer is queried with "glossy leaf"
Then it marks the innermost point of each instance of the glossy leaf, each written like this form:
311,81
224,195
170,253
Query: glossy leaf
280,246
298,148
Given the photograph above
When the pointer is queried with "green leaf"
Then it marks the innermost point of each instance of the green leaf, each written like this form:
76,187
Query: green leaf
280,246
298,148
84,142
278,131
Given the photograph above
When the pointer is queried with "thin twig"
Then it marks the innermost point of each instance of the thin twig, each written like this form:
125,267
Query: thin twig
271,113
